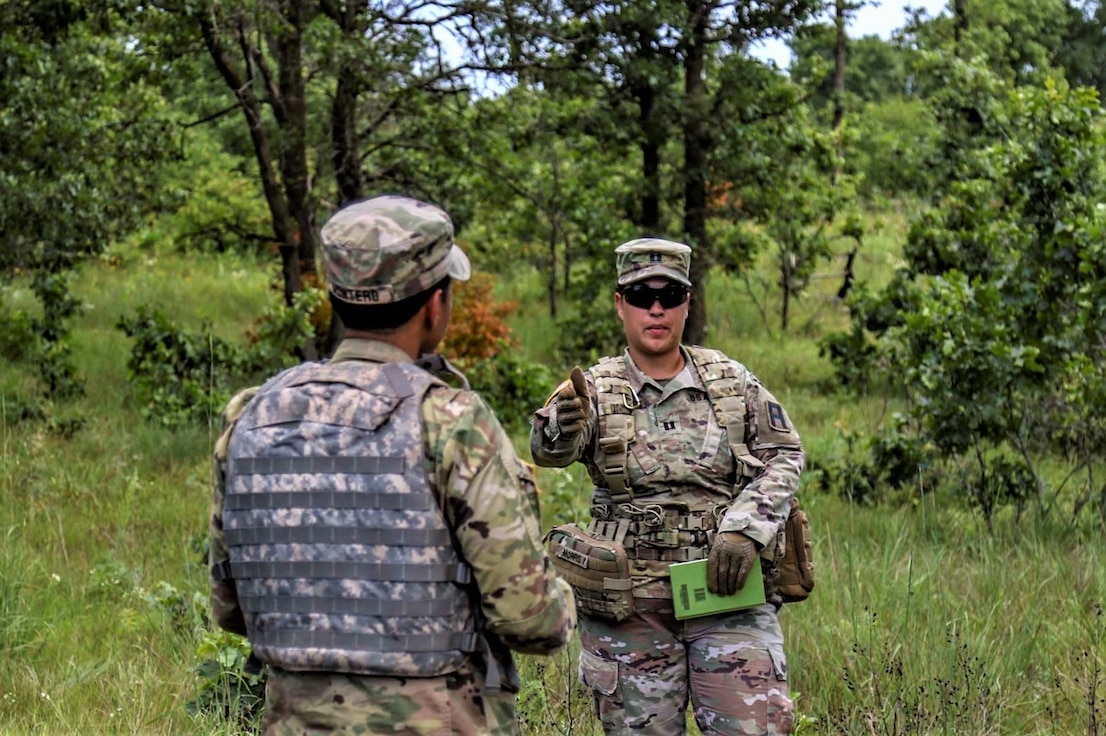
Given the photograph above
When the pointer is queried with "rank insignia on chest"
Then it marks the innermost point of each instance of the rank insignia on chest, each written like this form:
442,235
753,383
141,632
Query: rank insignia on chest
669,426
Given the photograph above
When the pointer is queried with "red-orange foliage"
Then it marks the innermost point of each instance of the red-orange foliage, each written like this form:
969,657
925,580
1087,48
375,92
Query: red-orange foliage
479,329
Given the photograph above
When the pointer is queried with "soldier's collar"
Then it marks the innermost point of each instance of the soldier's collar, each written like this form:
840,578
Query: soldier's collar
354,348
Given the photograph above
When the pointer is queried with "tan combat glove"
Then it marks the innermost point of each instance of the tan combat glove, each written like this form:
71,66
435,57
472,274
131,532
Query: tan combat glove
731,559
573,405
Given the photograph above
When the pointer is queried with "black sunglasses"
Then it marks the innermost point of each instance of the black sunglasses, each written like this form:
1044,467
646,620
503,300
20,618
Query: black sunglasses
641,296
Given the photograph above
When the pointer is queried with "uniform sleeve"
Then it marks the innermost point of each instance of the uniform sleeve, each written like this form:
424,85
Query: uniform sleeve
761,508
492,505
547,447
224,596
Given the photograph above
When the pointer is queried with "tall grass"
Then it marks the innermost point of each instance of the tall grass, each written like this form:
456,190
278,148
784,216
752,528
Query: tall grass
921,622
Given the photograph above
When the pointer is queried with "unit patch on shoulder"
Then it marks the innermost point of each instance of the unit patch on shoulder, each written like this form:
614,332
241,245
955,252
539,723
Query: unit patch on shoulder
777,420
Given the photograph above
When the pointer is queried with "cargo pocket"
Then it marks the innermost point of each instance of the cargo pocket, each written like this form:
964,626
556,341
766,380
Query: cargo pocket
779,662
781,711
601,677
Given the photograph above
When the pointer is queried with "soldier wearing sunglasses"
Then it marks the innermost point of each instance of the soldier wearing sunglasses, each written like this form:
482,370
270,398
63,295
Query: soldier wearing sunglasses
692,458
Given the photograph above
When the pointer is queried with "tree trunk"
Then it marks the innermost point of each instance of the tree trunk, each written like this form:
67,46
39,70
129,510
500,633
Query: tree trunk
288,196
651,142
243,87
343,126
343,131
290,108
840,48
960,23
292,117
695,170
850,275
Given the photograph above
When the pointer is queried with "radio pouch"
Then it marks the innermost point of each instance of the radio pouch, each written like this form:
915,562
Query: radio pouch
597,569
796,580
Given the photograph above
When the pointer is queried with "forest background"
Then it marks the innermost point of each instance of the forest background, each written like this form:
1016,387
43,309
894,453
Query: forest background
902,238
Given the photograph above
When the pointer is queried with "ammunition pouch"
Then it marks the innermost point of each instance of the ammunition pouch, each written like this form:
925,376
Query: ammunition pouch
796,578
597,569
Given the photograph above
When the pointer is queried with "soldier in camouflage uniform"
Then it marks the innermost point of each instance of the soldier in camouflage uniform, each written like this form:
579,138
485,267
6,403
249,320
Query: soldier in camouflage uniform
373,533
679,484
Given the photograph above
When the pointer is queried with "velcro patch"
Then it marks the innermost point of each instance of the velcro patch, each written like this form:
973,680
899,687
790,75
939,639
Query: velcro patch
777,419
571,555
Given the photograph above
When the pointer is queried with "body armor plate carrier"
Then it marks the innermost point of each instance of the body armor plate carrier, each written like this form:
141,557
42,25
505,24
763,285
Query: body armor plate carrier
688,535
618,516
340,554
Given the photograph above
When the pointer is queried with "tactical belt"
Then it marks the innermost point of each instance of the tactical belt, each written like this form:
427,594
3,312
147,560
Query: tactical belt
669,554
647,533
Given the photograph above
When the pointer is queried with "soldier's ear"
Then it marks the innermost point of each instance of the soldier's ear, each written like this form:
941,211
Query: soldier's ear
437,308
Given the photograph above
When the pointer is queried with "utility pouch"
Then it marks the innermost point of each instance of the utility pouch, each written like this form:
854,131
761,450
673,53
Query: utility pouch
597,569
796,579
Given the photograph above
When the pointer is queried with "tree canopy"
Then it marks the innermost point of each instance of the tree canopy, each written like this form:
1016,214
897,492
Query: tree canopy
554,129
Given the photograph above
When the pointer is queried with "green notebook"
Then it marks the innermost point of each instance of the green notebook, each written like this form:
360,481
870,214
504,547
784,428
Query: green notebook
691,598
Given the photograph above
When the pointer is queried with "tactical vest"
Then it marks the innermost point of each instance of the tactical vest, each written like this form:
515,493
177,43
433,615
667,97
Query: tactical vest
340,553
629,518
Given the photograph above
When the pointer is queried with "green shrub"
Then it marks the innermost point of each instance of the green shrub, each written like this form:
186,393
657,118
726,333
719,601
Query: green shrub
179,376
513,386
17,334
185,376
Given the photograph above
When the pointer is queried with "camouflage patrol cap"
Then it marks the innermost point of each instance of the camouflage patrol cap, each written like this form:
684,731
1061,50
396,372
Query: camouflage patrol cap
389,248
646,258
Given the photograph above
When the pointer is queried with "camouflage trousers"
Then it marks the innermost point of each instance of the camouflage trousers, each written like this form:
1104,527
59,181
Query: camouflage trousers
645,670
315,703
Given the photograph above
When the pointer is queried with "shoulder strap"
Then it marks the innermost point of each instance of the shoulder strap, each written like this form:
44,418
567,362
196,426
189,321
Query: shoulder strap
614,424
725,380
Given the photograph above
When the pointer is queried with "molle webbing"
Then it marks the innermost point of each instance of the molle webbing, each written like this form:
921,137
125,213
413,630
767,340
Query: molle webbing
327,500
354,464
336,535
356,641
408,572
348,606
597,569
615,424
724,382
725,387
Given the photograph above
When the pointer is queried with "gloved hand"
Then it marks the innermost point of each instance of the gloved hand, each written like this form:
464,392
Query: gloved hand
573,405
731,558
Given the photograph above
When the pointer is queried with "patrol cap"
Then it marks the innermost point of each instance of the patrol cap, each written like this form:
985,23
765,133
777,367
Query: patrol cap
646,258
388,248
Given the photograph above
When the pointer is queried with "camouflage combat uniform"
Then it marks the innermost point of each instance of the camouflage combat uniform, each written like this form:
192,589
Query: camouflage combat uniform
489,503
731,666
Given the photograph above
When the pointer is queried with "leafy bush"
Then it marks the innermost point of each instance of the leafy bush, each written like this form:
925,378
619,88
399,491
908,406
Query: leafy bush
513,386
478,329
179,376
589,334
184,376
993,327
893,460
43,342
232,681
17,334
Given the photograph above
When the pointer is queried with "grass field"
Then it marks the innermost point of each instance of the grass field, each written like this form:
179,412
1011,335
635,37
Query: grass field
922,622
